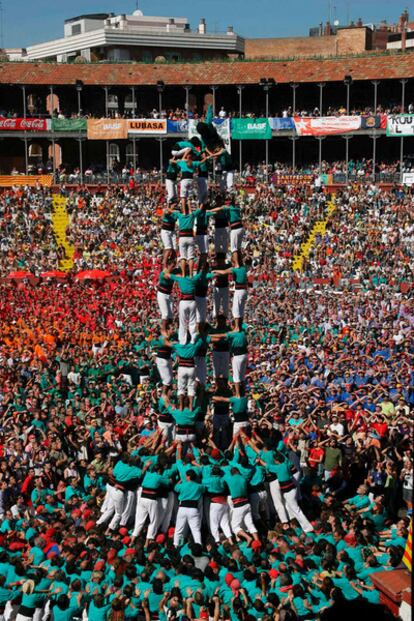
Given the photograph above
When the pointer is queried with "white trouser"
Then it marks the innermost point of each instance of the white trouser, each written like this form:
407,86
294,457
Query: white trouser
295,512
202,189
107,500
10,611
221,362
167,429
236,238
166,510
221,301
201,241
190,516
239,366
221,240
178,154
165,305
20,617
226,180
171,188
241,519
187,319
186,247
201,369
237,426
258,503
201,309
278,502
186,384
168,239
185,437
239,302
129,507
114,508
219,518
164,367
186,187
38,614
146,508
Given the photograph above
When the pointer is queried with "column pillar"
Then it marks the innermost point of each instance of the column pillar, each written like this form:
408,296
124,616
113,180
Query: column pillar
240,91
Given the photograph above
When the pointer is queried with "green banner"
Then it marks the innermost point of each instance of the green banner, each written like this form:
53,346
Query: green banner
68,125
251,129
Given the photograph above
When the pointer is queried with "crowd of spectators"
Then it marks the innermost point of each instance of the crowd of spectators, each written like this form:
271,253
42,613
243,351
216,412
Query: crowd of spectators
329,383
178,113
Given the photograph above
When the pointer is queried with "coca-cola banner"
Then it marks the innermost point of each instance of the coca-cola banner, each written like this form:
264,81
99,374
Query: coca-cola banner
24,125
326,125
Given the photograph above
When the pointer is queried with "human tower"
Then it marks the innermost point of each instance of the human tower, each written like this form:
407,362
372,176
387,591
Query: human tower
171,474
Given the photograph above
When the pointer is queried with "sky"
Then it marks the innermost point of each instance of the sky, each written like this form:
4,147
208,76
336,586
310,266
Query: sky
26,22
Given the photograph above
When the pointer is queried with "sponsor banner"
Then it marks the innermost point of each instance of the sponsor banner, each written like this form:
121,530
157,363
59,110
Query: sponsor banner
24,125
7,181
279,124
107,129
147,126
251,129
69,125
374,121
292,179
400,125
222,126
408,178
326,125
177,127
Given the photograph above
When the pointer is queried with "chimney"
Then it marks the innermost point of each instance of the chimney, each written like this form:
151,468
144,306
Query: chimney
171,24
328,30
107,23
123,21
359,23
202,26
230,30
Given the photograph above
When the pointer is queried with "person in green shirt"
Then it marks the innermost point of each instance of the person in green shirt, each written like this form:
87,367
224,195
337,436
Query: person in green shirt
188,166
171,180
333,458
187,309
239,274
190,493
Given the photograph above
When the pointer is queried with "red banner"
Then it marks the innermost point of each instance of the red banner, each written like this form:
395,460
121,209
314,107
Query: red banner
23,125
326,125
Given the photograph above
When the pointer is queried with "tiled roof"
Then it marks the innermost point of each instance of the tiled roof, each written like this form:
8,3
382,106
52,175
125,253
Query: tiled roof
369,67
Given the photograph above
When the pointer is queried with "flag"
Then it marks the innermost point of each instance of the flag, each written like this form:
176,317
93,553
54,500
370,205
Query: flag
408,552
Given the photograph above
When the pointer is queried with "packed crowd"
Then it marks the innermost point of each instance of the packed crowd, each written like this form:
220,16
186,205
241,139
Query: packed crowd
179,113
359,169
267,444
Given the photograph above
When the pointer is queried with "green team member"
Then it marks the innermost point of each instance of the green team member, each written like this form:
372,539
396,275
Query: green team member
189,497
171,181
188,167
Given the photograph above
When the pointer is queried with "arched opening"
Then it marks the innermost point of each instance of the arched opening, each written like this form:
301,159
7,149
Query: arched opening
52,104
35,152
56,155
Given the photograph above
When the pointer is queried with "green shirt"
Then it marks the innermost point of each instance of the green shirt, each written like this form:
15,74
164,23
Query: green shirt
239,275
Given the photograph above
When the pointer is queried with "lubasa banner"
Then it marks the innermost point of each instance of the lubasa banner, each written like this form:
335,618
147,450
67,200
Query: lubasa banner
251,129
222,126
147,126
326,125
400,125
